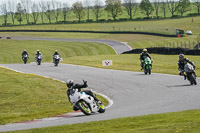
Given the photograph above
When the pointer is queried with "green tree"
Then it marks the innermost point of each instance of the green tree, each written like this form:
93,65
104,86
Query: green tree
197,4
163,7
97,9
147,7
78,10
130,7
156,4
114,7
184,6
20,13
172,6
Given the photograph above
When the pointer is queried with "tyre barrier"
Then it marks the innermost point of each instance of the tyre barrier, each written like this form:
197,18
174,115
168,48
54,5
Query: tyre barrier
165,51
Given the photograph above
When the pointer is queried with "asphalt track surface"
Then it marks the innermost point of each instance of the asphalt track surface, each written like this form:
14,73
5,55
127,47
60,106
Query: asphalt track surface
132,93
119,47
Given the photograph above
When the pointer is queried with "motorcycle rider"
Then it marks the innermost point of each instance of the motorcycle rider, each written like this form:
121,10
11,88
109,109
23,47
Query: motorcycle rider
24,53
143,55
37,54
181,64
71,88
56,53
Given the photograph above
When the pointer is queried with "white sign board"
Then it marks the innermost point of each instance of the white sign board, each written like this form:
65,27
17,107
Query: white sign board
107,63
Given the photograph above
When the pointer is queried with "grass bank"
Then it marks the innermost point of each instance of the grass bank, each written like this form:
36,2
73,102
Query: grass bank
179,122
26,97
11,49
130,62
167,26
133,40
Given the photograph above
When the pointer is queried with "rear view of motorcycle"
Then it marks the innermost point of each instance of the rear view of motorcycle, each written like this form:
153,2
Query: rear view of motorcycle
147,65
190,73
86,103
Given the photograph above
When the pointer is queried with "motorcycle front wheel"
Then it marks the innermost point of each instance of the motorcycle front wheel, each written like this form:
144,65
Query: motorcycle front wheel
193,80
102,108
84,107
25,60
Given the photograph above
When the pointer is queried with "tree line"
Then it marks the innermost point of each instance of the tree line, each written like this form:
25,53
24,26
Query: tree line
26,9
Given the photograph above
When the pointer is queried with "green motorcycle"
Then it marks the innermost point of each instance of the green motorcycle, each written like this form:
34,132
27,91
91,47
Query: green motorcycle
147,65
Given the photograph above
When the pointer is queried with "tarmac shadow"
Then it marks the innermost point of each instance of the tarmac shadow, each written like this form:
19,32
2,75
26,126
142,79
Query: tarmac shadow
185,85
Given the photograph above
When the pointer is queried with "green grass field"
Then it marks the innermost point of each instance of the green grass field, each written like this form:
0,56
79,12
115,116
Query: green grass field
156,26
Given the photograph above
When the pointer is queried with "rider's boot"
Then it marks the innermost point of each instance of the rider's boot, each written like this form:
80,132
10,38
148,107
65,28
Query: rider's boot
75,108
184,77
195,75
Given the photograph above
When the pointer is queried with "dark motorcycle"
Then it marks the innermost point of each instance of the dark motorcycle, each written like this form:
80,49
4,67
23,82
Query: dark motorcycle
56,59
25,58
190,73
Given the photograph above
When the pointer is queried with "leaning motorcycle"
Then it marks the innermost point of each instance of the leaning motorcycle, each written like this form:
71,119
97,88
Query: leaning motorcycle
85,102
56,59
190,73
39,59
25,58
147,65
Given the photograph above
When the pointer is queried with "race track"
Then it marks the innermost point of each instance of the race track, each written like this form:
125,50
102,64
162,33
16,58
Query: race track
133,93
119,47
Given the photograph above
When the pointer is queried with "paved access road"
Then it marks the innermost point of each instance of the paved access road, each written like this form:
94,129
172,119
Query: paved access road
119,47
133,93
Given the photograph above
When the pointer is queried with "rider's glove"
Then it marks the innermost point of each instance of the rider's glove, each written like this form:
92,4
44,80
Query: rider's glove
85,82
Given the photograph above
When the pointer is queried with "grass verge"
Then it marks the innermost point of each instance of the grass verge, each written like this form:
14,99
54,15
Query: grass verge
130,62
184,122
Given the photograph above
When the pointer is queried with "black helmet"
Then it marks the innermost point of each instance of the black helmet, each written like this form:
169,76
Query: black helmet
181,57
69,83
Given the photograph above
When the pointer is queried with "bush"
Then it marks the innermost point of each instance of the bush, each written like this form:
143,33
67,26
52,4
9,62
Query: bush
90,20
192,14
174,16
8,24
123,19
101,20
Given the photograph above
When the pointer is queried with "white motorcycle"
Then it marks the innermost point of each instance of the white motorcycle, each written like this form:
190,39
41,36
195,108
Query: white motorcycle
85,103
190,73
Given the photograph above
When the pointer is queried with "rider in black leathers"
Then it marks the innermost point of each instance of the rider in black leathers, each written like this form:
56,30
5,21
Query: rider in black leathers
71,88
37,54
143,55
181,63
56,53
24,53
